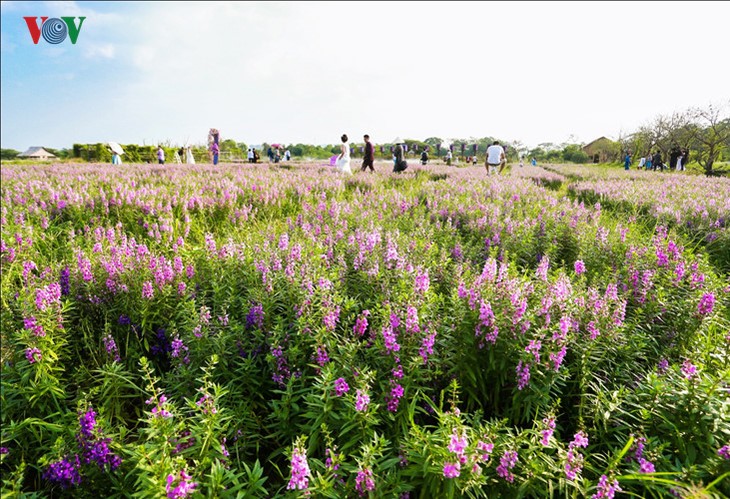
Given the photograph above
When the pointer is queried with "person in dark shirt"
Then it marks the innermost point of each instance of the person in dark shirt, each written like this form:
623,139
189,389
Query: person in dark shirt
400,163
656,161
424,157
369,155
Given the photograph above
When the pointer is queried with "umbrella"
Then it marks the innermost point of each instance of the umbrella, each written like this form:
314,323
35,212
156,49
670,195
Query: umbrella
276,146
116,148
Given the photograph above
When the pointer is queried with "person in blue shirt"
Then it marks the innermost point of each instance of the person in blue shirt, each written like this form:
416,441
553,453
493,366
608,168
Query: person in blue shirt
627,161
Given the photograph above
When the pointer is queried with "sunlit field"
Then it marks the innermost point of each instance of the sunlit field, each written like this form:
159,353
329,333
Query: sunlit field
286,330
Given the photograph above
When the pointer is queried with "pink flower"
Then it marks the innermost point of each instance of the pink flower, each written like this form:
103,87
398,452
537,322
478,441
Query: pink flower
341,387
580,267
33,355
361,401
452,470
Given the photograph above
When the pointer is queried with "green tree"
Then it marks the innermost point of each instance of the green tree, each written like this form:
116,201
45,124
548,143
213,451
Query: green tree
8,153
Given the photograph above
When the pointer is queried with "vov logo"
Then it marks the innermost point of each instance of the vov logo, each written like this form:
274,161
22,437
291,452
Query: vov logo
54,30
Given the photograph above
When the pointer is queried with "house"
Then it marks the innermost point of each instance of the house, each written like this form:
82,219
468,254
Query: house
601,150
37,153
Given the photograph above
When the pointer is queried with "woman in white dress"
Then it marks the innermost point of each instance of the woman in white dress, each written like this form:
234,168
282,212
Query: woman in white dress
189,158
343,160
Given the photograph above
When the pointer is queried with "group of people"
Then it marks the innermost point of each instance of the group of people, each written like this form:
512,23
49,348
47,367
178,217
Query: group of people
495,160
273,153
678,159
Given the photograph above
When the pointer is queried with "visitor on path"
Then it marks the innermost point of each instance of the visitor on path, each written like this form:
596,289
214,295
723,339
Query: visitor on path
642,162
250,154
682,160
116,159
178,155
424,157
522,161
343,160
474,160
368,158
627,161
189,158
399,161
449,157
648,163
160,155
673,157
657,161
214,150
287,155
533,162
270,154
495,158
277,155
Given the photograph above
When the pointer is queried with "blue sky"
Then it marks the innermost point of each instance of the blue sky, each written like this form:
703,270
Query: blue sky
310,71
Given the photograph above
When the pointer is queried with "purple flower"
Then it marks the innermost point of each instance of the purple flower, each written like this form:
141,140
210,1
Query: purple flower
458,444
147,291
724,452
341,387
390,338
706,304
606,490
361,324
64,281
364,481
688,369
300,472
523,375
579,440
422,282
33,355
361,401
645,466
548,431
506,463
111,348
580,267
452,470
255,317
64,472
184,488
663,366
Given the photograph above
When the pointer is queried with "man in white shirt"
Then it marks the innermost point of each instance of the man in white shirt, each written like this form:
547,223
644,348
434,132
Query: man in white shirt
495,158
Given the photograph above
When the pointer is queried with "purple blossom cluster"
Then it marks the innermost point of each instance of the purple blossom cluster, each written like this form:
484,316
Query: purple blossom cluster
506,463
180,485
300,472
364,481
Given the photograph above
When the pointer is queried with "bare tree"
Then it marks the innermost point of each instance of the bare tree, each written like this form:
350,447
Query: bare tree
712,135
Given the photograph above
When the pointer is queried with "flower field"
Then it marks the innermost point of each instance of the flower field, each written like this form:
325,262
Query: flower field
255,331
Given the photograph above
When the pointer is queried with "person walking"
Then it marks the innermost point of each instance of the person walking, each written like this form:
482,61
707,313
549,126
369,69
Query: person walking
648,163
657,161
368,158
160,155
399,161
424,157
250,154
215,150
682,160
343,160
627,161
287,155
495,158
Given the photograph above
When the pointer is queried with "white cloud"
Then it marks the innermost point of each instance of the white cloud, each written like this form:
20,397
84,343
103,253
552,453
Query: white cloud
103,51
